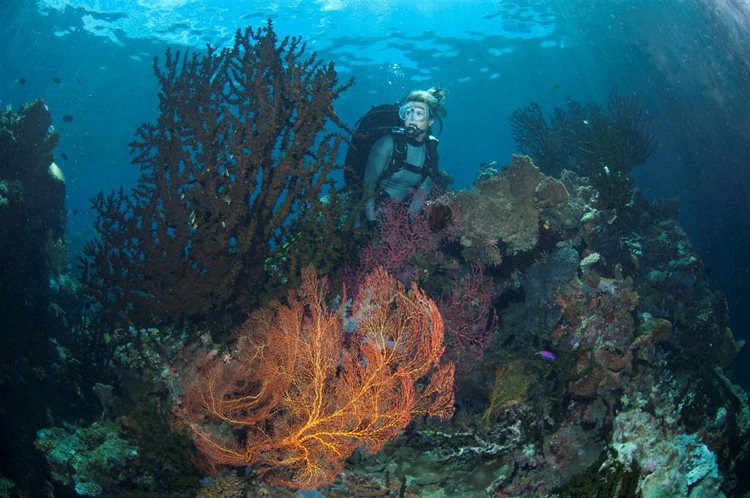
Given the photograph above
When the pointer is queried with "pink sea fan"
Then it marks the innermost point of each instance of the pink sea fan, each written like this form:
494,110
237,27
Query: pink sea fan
469,318
403,234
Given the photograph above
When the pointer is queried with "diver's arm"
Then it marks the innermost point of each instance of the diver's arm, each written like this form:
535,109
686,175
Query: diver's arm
380,156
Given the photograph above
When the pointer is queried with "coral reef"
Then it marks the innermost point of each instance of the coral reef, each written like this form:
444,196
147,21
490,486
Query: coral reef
670,464
597,321
672,283
594,357
306,386
46,353
32,207
586,343
89,461
233,172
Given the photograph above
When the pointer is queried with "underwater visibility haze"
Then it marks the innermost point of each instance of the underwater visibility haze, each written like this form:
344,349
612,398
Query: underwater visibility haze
192,302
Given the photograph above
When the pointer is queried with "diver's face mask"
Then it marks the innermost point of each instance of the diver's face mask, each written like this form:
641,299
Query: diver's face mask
415,117
414,111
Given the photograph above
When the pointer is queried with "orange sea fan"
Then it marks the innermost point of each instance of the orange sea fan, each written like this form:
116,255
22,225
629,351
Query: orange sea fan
303,393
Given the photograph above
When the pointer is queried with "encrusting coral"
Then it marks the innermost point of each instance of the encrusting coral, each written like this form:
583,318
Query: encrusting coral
233,171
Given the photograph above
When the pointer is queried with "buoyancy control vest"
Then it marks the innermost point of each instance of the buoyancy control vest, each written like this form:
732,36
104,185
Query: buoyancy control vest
377,122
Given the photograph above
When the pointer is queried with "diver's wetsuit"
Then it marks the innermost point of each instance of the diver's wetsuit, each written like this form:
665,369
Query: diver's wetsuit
400,183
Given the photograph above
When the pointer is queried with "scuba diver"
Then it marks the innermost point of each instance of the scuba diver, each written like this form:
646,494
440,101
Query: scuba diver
406,158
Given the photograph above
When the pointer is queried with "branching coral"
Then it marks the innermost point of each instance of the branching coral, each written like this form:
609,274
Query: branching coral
301,394
604,143
232,172
404,239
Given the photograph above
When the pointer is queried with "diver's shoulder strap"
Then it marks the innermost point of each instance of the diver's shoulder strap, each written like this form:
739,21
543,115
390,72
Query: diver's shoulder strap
398,158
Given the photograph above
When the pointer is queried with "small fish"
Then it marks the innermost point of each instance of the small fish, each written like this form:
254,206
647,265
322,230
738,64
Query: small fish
67,118
575,342
154,332
555,86
585,121
64,156
548,356
21,81
57,80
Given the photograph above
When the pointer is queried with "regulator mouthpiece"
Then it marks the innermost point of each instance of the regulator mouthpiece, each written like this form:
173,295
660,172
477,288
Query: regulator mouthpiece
412,131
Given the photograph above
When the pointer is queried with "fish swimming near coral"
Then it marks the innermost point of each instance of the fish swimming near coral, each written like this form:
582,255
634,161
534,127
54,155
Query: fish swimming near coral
548,355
